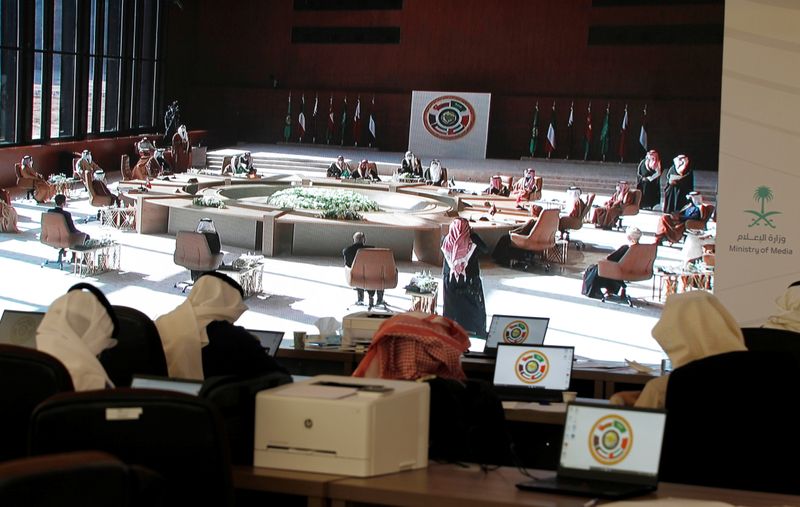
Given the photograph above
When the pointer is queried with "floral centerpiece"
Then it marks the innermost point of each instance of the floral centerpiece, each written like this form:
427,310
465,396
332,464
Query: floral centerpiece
246,262
423,283
333,203
208,202
57,179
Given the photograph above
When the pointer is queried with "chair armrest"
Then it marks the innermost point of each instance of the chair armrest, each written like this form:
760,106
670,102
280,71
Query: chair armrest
609,269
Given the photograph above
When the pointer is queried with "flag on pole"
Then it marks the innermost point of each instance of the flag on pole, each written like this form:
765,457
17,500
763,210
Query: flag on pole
344,119
643,131
604,133
331,123
570,128
314,119
287,128
357,122
622,131
534,131
301,118
550,146
587,133
371,126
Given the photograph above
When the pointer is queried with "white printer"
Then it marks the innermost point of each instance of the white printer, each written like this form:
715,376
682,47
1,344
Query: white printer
343,425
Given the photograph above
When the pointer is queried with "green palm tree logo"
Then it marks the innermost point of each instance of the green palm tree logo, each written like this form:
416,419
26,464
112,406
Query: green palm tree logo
762,194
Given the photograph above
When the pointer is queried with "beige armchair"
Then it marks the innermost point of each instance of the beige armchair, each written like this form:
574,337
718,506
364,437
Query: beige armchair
55,233
372,269
193,253
542,236
706,212
568,223
635,266
632,208
26,182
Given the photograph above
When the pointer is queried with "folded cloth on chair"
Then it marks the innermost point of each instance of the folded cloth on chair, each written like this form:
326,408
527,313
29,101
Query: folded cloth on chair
413,345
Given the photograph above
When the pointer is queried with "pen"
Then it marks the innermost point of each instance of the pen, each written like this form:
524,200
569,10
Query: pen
591,503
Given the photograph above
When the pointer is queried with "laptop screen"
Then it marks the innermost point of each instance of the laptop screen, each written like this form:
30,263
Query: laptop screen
516,330
612,440
270,340
19,327
538,367
167,384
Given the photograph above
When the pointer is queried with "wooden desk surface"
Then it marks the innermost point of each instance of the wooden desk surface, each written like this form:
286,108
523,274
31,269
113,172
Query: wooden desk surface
455,486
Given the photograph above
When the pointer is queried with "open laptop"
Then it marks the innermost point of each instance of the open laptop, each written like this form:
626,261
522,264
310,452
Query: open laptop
513,330
607,452
18,327
167,384
270,340
532,373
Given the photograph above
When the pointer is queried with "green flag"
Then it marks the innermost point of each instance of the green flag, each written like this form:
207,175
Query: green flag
287,129
534,131
604,134
344,119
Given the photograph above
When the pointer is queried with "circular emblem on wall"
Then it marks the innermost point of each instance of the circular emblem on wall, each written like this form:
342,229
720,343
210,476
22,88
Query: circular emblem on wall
532,366
611,439
515,332
448,117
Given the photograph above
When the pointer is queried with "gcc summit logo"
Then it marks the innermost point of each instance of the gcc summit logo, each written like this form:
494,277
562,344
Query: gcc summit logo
515,332
610,439
448,117
532,366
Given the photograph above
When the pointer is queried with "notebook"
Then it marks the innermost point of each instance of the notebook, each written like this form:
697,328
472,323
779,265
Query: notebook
607,452
270,340
532,373
513,330
167,384
18,327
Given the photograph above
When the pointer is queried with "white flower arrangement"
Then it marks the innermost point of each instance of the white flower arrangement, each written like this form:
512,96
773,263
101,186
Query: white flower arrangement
208,202
332,203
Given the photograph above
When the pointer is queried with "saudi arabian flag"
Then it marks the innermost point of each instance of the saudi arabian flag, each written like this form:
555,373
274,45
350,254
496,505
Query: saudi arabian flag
344,119
604,134
287,129
534,132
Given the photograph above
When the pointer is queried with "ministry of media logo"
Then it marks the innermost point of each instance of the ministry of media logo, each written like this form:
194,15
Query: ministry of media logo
763,195
448,117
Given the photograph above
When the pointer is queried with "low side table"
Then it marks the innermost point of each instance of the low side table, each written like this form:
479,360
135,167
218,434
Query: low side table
123,219
89,261
249,278
425,302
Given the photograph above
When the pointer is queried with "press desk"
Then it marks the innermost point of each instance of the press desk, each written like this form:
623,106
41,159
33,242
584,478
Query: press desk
446,485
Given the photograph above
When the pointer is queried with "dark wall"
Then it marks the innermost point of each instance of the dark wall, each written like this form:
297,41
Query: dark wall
221,54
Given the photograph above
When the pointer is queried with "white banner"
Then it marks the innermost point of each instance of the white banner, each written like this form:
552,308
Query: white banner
758,241
449,124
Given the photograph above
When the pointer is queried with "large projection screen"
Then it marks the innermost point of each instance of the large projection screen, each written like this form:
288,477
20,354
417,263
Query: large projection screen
449,124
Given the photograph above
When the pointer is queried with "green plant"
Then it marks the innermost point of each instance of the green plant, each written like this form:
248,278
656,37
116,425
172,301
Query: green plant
333,204
208,202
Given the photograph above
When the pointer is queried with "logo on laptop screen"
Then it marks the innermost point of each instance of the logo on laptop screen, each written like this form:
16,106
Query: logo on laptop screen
532,366
611,439
516,332
448,117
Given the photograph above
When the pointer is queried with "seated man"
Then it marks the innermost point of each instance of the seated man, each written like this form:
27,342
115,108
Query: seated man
368,171
407,164
574,204
42,190
524,188
672,226
158,164
436,175
8,215
338,168
606,216
60,201
86,167
145,147
594,285
99,188
349,254
496,187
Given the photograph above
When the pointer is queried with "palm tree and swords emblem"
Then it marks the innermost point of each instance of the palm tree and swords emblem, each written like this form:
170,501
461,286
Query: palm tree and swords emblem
762,194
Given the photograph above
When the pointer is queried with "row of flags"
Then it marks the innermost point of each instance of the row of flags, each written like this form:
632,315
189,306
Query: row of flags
300,129
588,133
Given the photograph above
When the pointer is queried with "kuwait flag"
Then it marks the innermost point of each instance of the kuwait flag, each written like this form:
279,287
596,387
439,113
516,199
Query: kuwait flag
301,118
551,132
622,131
643,131
371,125
287,128
587,134
357,122
331,122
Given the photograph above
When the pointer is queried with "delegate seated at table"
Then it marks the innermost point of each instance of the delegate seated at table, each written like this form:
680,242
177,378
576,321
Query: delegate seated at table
496,187
606,216
672,226
60,201
42,190
338,168
524,188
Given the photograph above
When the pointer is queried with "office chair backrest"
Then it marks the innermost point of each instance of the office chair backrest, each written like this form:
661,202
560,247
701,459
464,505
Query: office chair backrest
731,423
88,479
138,349
54,231
542,235
633,207
781,341
176,435
235,399
192,252
27,377
373,269
637,263
706,211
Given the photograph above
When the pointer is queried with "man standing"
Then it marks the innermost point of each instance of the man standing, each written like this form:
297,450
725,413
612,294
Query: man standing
349,254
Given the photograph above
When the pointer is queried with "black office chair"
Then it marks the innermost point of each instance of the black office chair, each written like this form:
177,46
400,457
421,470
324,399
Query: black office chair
772,340
27,377
138,349
88,479
176,435
731,423
235,399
